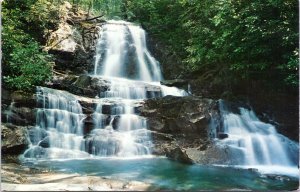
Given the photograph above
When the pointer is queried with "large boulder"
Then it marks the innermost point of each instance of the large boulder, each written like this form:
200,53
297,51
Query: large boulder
179,116
14,139
177,154
213,154
179,124
82,86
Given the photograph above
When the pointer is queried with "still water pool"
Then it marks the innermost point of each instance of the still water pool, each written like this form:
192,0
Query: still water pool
164,174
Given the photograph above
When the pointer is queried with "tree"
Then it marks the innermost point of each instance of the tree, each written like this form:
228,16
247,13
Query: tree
25,65
228,40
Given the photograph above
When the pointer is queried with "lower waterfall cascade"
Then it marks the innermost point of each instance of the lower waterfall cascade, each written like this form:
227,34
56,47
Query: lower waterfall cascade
254,144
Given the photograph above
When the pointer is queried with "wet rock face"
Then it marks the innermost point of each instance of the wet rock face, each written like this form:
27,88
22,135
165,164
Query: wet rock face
13,139
18,108
86,85
83,85
94,86
180,116
179,124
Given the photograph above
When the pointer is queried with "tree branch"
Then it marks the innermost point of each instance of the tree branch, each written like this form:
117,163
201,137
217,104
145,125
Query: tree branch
94,18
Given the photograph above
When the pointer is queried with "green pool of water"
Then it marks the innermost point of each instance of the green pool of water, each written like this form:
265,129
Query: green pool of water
164,174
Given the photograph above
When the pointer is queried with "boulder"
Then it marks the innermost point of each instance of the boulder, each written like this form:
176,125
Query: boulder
162,142
189,116
181,128
14,139
215,154
61,81
116,122
99,84
177,154
45,143
83,81
83,85
222,135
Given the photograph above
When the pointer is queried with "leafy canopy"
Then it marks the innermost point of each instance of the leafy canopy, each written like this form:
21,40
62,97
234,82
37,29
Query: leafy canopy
231,40
25,65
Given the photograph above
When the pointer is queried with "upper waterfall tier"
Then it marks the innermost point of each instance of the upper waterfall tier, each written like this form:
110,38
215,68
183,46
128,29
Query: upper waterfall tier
122,52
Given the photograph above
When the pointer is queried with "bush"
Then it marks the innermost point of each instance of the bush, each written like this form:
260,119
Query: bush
25,65
29,67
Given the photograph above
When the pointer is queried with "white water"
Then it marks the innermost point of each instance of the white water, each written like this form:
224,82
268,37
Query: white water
255,144
123,58
122,46
58,125
120,132
9,112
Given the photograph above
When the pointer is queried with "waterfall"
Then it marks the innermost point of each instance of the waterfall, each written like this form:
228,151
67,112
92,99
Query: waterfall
59,126
253,143
122,52
9,112
123,58
133,75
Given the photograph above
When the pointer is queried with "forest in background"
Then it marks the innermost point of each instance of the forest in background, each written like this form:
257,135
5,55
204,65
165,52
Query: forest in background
227,42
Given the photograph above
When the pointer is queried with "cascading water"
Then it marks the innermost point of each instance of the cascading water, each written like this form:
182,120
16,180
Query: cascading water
132,75
59,128
253,143
122,52
9,112
123,58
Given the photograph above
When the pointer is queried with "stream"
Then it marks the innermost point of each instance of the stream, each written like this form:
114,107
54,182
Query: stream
162,173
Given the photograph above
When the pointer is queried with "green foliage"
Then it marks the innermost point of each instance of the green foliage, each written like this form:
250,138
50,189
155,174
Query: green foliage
109,8
29,67
43,15
222,41
25,65
160,18
232,40
291,69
